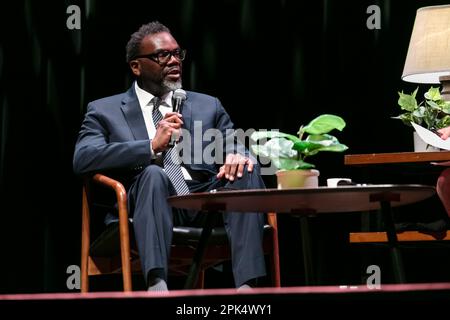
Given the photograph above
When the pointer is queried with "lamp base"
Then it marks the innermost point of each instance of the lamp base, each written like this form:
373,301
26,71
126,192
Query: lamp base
445,92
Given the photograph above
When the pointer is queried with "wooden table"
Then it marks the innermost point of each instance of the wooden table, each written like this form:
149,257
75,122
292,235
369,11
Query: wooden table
305,200
312,201
396,157
421,159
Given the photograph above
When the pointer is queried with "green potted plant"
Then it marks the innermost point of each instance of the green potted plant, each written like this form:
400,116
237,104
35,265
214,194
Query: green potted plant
432,112
288,152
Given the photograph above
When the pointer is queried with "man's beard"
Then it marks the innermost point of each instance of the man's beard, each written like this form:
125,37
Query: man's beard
172,85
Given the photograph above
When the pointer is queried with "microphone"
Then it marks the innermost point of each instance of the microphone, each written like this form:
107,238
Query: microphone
178,98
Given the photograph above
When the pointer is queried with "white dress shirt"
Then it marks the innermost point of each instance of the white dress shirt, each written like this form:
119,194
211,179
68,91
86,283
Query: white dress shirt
145,102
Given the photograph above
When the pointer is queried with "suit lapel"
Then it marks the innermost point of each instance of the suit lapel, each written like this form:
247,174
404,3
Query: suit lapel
133,115
187,113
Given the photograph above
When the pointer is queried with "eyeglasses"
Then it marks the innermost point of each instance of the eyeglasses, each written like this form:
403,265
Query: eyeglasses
164,56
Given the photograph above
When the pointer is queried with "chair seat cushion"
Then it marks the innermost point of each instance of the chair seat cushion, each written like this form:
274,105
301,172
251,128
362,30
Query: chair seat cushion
108,243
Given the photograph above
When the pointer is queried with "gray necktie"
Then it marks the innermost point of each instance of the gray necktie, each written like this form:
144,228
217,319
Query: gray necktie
171,160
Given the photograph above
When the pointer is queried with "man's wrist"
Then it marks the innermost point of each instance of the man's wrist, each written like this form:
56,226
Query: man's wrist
154,154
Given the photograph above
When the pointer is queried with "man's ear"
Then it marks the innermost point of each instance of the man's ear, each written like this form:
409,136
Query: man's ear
135,67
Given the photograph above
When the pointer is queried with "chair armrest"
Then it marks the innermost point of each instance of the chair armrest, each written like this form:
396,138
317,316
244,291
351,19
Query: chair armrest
121,195
272,220
118,187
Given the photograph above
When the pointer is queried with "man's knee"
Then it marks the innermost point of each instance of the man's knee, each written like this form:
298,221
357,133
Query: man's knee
257,168
256,180
249,180
152,171
154,175
149,190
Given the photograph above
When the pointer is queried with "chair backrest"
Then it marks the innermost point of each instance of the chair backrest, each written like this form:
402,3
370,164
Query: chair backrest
101,256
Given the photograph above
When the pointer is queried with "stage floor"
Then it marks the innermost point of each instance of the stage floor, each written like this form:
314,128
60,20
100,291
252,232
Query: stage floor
261,303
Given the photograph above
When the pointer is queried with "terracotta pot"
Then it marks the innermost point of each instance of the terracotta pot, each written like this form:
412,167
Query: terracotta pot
289,179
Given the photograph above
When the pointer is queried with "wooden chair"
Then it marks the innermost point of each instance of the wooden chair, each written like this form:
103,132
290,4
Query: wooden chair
100,256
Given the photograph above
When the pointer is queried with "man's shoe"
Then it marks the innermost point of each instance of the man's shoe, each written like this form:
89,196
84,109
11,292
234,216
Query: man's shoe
433,226
245,287
158,285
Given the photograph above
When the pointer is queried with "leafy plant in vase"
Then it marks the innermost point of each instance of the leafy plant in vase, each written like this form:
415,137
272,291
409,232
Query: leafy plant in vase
432,113
289,152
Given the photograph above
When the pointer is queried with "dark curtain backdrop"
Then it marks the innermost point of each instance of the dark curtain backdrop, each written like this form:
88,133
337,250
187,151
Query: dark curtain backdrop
273,64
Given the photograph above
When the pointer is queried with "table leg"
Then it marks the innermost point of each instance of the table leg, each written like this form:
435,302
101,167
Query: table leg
396,258
211,219
307,250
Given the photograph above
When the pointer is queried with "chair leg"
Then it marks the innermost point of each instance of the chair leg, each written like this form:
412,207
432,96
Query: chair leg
275,262
275,253
85,238
125,244
201,280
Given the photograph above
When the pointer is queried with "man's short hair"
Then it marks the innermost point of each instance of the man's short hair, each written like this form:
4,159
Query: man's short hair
136,38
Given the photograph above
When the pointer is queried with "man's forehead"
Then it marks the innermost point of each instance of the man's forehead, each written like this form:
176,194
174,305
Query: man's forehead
159,40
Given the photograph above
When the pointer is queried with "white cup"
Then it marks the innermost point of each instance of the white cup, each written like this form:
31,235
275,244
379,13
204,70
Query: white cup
333,182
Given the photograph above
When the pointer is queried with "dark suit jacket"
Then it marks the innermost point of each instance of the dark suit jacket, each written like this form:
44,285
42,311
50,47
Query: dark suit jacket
113,134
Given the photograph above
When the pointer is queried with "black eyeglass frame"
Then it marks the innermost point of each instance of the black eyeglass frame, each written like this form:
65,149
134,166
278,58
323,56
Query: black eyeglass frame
165,55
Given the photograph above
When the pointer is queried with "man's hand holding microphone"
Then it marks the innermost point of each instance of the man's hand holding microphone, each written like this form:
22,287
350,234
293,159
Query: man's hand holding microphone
168,130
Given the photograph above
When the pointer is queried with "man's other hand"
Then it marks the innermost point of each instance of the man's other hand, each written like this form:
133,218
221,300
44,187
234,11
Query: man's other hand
234,166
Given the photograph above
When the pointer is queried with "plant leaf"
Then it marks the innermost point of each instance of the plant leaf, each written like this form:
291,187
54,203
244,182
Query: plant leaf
408,102
433,94
407,118
258,135
446,107
276,148
433,105
314,141
324,124
324,142
443,122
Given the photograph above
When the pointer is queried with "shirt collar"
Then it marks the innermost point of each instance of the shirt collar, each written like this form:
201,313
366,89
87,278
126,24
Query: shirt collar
145,97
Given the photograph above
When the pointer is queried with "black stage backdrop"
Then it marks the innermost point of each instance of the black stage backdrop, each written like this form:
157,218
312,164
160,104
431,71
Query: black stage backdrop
273,64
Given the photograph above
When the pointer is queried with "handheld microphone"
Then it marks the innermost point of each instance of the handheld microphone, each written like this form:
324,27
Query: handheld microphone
178,98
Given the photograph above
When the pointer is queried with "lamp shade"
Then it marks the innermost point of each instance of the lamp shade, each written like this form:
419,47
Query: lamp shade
428,55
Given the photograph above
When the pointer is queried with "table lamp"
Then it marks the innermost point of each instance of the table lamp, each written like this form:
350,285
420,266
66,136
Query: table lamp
428,58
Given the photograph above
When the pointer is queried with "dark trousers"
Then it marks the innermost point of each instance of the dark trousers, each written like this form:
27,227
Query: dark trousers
153,221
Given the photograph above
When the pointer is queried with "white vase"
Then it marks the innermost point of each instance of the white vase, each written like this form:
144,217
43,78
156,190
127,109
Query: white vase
289,179
422,146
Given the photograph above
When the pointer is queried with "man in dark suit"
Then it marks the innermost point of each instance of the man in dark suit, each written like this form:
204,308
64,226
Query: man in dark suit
121,133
